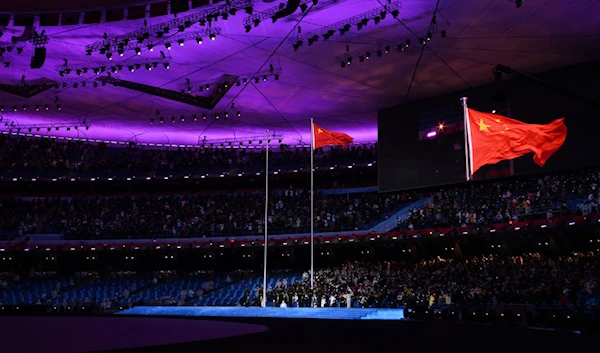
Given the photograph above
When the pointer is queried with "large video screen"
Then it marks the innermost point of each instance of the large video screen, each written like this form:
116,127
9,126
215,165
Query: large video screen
422,144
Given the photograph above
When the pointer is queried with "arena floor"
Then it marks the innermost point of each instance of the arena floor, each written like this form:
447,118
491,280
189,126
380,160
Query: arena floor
156,334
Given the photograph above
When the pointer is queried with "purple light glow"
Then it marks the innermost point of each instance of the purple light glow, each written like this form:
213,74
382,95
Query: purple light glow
432,134
311,85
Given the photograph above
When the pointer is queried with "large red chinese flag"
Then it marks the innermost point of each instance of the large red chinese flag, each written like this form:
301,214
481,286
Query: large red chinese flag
323,137
495,138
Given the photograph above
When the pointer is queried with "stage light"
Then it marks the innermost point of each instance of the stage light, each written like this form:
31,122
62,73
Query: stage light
444,33
387,49
199,40
75,85
58,107
47,106
207,87
24,107
87,127
109,56
195,117
150,47
181,42
138,51
349,60
120,51
239,114
238,83
395,13
37,108
407,43
83,84
256,80
213,36
166,65
131,68
303,7
161,119
428,36
245,81
19,50
276,77
217,116
172,119
265,78
168,46
182,118
88,52
343,63
248,28
361,58
368,55
95,84
203,116
519,3
14,108
256,22
377,19
422,41
148,67
64,84
226,115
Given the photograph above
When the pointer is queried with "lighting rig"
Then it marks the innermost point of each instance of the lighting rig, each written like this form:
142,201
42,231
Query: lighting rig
257,17
344,26
518,3
40,39
179,118
321,5
176,39
27,106
10,47
99,67
13,127
6,60
179,24
364,54
77,82
241,141
255,77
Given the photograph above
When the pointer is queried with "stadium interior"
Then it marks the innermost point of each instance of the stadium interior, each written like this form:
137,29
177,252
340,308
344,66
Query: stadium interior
164,185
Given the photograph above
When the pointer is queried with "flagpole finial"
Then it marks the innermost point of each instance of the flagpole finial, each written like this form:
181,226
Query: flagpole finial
463,101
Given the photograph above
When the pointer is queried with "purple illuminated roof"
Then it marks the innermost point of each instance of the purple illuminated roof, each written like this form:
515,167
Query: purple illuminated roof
534,38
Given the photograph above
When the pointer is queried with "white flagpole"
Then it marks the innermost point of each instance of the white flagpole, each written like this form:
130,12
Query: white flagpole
264,293
312,205
467,129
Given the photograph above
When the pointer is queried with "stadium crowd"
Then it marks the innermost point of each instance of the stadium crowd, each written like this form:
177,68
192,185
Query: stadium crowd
526,279
19,154
568,280
541,197
195,215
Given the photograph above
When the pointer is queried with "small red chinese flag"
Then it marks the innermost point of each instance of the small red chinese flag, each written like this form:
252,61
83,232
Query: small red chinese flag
495,138
323,137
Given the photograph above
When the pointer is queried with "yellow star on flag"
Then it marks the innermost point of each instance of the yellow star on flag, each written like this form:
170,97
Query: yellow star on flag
483,126
319,131
498,120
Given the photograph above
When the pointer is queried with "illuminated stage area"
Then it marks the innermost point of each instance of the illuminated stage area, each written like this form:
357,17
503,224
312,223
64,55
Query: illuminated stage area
280,313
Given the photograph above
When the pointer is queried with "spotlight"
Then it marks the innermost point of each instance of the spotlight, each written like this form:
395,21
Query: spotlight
195,117
120,51
161,119
203,116
29,130
256,80
256,22
37,108
199,40
19,50
168,46
248,28
150,47
180,41
88,52
207,87
75,85
238,83
368,56
2,108
245,81
239,114
303,7
95,84
182,118
172,119
78,72
226,114
24,107
217,116
377,19
387,49
519,3
166,65
131,68
422,41
395,13
109,56
148,67
58,107
265,78
428,36
349,60
14,108
47,106
407,43
213,36
276,77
